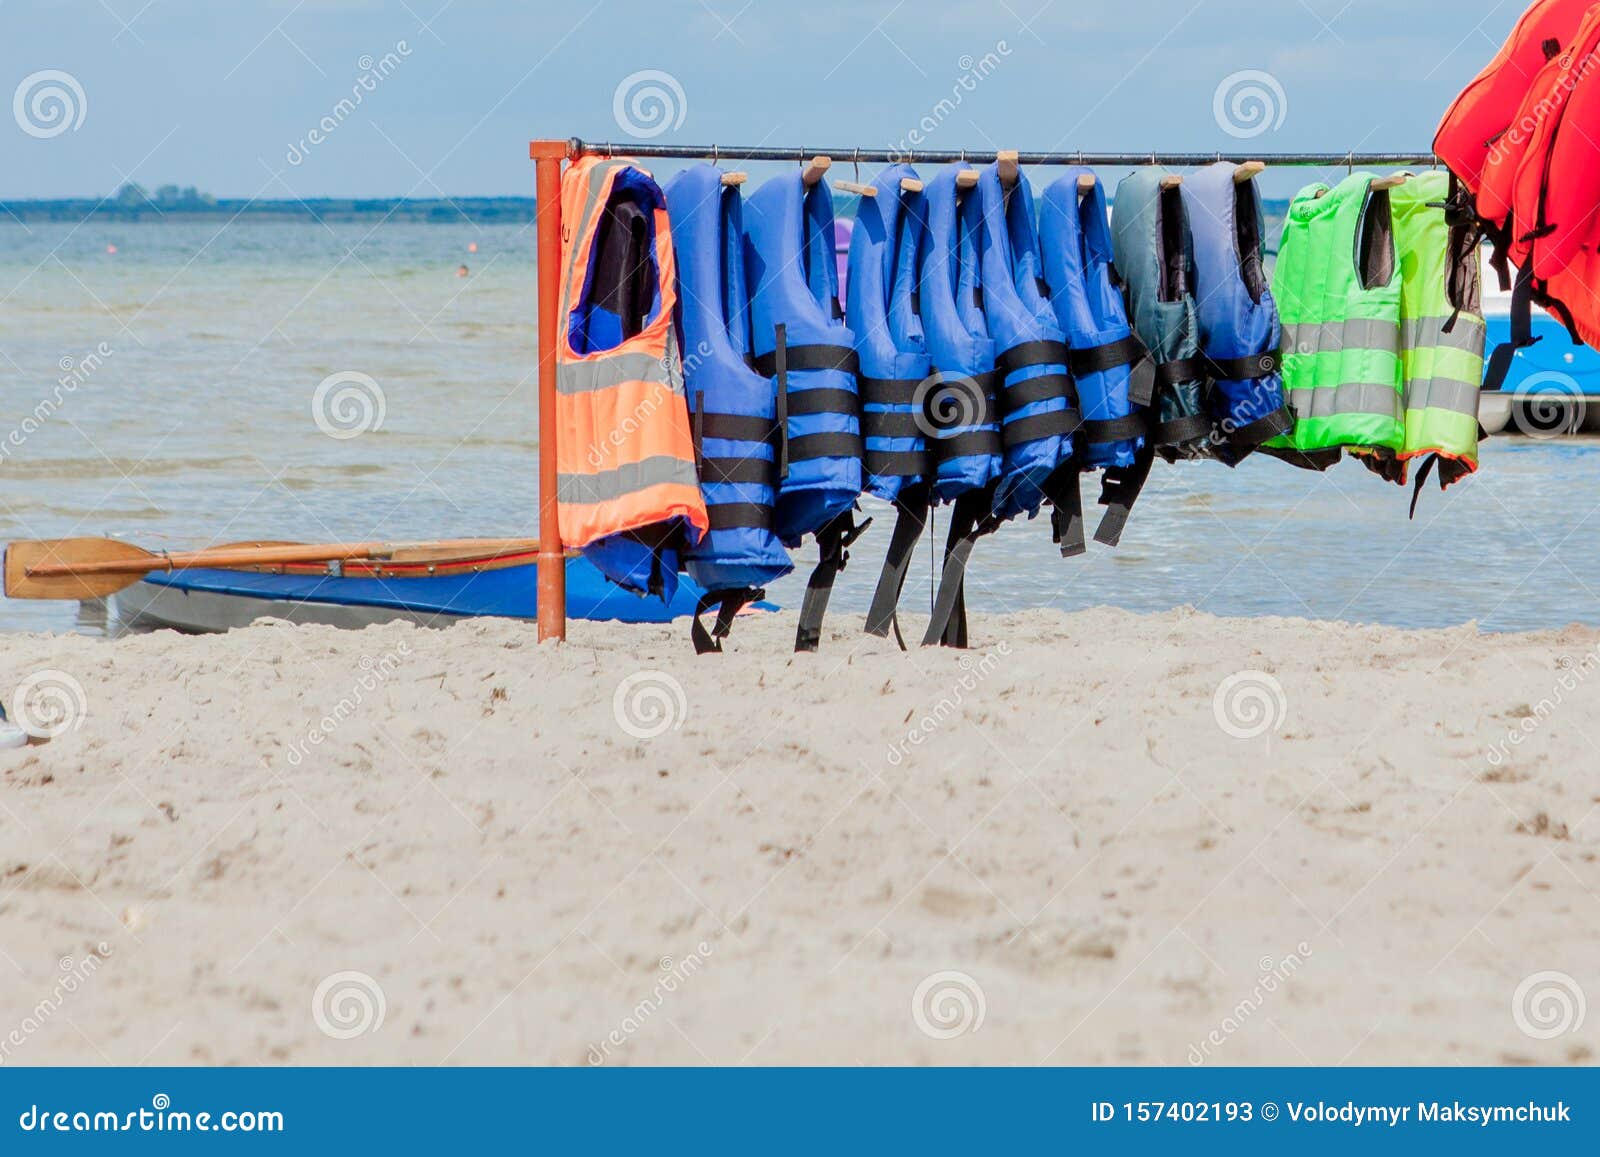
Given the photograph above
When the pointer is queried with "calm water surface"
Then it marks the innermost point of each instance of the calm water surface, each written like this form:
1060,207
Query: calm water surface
197,425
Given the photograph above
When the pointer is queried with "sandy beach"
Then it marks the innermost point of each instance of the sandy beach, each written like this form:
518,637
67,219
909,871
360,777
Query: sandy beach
1097,838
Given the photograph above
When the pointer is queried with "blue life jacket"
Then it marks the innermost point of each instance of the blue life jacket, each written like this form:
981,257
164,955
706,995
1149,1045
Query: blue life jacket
1111,369
958,401
731,407
1239,329
1039,411
881,310
802,346
1076,243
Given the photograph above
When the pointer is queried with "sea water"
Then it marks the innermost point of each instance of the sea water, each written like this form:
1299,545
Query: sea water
172,392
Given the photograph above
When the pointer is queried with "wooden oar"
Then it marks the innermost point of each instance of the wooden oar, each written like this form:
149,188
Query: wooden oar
91,568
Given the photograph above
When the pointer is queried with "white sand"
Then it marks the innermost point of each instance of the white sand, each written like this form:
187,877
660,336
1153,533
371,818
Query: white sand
1076,833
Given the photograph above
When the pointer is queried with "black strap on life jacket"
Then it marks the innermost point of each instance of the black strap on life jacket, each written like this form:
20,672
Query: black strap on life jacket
1244,369
778,364
1191,428
730,603
1450,470
1041,388
833,541
983,440
1065,494
1119,490
1521,330
911,518
901,423
971,518
748,470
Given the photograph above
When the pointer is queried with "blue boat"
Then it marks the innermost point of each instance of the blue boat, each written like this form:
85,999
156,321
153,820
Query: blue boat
219,600
1547,389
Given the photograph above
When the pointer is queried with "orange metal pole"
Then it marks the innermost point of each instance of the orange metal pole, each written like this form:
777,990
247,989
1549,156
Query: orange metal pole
548,156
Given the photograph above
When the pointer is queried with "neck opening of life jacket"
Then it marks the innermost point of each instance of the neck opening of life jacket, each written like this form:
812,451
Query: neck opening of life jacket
627,493
801,345
882,311
732,409
1519,144
1111,370
1154,254
1239,331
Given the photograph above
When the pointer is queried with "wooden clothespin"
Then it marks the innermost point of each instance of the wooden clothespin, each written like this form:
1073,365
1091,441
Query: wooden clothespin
816,170
1087,182
735,178
1248,171
967,179
1394,181
857,188
1171,181
910,185
1006,159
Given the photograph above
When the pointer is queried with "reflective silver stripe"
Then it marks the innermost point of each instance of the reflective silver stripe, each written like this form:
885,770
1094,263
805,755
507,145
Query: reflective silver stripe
1357,333
1466,335
612,369
609,485
1443,394
1380,398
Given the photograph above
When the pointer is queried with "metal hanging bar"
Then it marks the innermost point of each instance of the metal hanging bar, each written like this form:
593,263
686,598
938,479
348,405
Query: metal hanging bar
577,148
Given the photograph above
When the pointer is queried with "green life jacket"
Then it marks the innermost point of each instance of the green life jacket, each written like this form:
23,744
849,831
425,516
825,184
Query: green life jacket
1441,329
1339,302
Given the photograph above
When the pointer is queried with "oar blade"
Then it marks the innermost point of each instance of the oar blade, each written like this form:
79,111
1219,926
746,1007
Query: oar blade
21,557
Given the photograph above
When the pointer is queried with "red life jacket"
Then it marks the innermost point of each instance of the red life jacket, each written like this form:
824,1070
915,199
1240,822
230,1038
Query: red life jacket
1520,143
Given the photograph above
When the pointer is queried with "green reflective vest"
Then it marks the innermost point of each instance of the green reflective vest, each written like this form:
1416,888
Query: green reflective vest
1339,304
1383,331
1441,327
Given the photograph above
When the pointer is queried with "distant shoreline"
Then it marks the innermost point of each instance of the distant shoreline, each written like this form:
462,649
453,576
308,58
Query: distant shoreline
430,211
456,210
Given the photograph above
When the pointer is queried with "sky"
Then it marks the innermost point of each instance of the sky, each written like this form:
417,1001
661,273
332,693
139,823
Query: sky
426,98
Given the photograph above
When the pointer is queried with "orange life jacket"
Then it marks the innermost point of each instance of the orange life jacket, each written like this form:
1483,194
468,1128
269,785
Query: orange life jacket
627,491
1520,143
